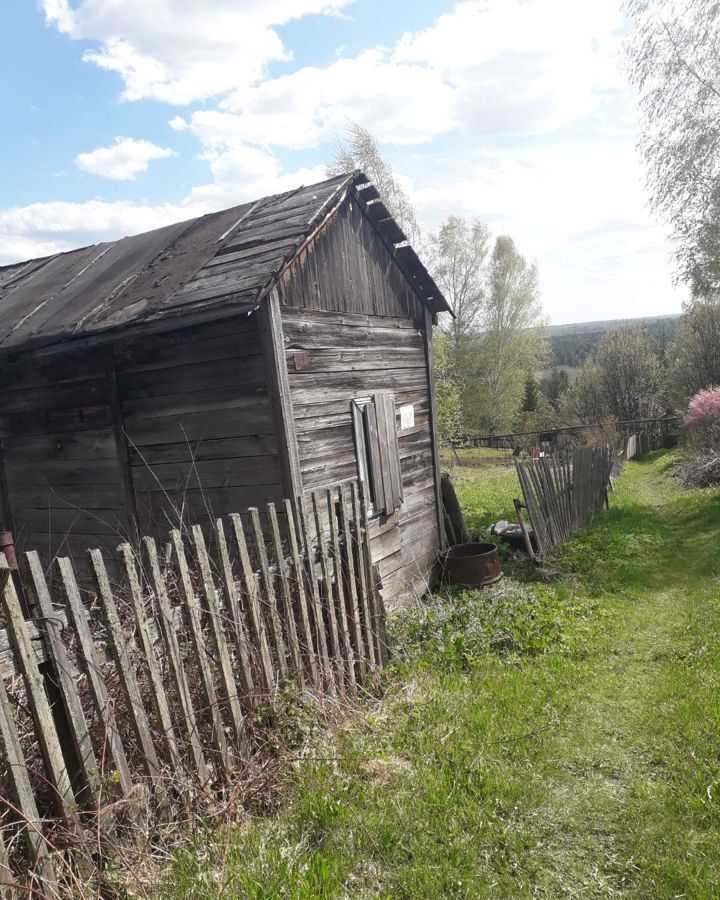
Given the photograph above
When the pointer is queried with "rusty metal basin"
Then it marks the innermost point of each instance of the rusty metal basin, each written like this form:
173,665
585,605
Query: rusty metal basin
472,565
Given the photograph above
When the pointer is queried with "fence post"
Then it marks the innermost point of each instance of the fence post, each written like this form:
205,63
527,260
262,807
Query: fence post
63,794
104,707
62,691
118,644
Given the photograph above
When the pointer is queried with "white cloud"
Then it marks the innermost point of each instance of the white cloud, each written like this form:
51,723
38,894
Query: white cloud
178,51
40,229
124,160
512,111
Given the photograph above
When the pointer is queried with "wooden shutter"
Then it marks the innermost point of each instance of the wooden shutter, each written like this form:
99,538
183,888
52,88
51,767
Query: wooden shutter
378,453
389,451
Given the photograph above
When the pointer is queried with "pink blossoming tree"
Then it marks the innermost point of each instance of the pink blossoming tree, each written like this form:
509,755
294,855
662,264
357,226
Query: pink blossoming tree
703,418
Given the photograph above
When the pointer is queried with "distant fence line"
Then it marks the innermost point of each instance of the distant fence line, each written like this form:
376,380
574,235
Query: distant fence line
657,428
143,702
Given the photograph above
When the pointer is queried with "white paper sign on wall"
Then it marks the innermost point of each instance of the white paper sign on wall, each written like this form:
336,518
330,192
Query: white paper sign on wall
407,417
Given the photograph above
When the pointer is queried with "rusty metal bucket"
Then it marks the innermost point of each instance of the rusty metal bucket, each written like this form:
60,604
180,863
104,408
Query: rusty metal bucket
472,565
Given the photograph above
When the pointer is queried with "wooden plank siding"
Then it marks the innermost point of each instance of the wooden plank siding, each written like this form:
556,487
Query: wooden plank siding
61,467
167,426
352,327
199,424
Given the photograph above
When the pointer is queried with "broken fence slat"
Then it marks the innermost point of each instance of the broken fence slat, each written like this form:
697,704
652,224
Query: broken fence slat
159,697
104,706
118,644
255,616
232,601
56,771
220,641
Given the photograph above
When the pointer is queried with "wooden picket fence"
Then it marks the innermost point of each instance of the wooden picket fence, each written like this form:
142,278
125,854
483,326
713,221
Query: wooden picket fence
561,493
145,694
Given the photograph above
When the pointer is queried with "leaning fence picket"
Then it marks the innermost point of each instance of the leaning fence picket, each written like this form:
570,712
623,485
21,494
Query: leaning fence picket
301,606
268,585
56,771
221,648
287,608
232,601
175,667
89,662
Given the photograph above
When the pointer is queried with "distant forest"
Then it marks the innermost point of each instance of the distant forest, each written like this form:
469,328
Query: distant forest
573,344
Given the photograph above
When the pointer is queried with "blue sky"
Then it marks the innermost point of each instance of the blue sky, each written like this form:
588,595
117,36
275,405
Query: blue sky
121,116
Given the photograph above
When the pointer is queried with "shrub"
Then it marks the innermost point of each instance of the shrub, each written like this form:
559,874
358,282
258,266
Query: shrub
703,419
509,619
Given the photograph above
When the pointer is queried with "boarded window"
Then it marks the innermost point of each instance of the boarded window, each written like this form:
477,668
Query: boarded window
378,454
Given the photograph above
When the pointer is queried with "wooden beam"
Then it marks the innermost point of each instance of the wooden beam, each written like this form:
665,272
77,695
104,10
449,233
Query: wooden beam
271,333
121,447
430,362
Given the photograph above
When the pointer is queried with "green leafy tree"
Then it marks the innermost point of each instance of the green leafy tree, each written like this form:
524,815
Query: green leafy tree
448,391
531,398
623,380
696,363
673,53
458,252
511,341
554,387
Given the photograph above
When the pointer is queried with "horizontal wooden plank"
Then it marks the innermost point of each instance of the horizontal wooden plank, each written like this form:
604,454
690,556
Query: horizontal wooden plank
159,512
311,336
310,362
320,406
199,426
56,396
389,540
81,496
86,445
88,418
238,397
219,473
236,371
55,523
204,449
61,472
336,385
299,319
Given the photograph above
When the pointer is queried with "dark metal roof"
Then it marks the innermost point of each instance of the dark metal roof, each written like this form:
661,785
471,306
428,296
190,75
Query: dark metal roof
222,261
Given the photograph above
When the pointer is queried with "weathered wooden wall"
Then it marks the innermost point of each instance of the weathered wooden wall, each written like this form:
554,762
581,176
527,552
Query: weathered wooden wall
347,268
198,421
353,326
163,427
61,468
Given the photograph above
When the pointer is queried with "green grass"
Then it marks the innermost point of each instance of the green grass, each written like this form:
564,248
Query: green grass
558,738
486,495
476,453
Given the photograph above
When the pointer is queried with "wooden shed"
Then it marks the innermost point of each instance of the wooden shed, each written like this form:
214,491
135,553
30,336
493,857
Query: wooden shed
235,359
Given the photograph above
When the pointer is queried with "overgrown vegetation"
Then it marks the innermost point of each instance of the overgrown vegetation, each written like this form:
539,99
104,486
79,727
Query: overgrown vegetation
554,737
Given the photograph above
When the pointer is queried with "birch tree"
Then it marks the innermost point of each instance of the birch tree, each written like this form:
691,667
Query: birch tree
511,342
358,149
458,253
673,54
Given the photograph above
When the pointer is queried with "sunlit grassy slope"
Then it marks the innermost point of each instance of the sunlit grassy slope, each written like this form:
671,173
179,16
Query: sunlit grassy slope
557,736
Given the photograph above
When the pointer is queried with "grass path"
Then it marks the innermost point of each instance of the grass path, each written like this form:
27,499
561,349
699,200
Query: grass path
555,738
